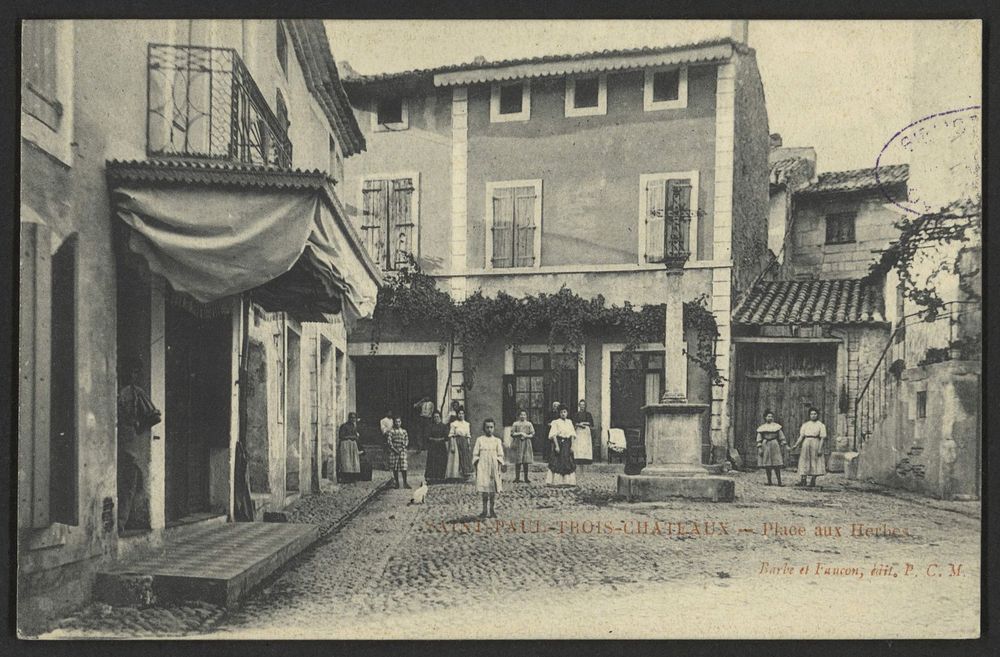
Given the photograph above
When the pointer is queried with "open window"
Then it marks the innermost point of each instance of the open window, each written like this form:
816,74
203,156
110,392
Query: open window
510,101
840,228
665,88
390,113
587,95
47,86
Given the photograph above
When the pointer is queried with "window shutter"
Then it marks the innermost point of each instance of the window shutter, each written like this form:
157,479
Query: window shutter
503,219
655,211
39,61
401,221
376,194
678,217
524,226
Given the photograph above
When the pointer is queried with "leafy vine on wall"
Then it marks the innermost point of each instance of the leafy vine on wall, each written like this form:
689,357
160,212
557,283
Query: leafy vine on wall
961,222
411,297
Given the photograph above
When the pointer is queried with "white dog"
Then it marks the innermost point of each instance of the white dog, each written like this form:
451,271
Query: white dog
419,495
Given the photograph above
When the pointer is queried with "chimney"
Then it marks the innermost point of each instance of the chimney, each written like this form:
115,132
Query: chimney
739,30
775,140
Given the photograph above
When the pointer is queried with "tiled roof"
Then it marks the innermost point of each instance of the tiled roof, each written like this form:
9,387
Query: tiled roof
192,172
319,68
844,301
545,59
783,170
858,179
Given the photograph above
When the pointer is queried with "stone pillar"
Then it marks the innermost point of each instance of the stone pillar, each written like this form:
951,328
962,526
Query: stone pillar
675,358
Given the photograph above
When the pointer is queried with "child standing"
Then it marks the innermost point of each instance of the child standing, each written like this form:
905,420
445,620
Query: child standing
770,440
398,441
487,457
522,433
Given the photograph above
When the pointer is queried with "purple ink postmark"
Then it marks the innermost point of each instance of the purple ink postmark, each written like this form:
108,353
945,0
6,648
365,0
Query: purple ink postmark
945,152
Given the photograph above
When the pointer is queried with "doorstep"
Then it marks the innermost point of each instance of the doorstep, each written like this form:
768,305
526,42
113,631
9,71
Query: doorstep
219,565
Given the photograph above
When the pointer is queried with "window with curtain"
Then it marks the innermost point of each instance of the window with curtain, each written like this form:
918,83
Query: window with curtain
388,221
515,224
39,81
668,217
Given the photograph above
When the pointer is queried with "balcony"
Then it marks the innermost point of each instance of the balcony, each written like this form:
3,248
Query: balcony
203,103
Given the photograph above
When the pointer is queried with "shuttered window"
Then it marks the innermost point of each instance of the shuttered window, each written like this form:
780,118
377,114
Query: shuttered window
668,215
515,225
389,224
39,57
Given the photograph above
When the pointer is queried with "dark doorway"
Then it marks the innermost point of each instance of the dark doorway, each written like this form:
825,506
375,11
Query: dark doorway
786,379
636,380
540,380
198,389
394,383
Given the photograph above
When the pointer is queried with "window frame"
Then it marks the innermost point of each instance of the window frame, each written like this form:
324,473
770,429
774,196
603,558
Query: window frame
523,115
602,96
840,216
403,124
693,226
414,209
57,142
650,105
491,188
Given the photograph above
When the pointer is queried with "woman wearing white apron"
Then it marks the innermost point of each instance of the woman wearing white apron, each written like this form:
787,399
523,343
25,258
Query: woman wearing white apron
583,443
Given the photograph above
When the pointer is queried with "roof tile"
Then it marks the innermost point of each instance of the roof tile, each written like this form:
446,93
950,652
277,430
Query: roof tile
839,301
858,179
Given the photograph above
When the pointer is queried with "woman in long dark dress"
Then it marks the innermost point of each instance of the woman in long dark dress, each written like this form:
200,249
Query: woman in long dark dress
562,467
349,456
437,449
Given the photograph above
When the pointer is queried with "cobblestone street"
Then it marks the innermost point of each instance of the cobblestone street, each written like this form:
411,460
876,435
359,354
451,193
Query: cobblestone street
579,563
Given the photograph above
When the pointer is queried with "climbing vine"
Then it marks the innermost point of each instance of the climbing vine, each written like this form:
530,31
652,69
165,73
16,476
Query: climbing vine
960,223
564,319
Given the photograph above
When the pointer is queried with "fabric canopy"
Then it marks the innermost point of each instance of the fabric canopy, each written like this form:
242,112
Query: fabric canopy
212,242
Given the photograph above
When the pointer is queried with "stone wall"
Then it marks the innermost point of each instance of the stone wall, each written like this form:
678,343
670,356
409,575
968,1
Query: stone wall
934,449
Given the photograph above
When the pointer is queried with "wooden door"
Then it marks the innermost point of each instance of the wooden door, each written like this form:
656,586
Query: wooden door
787,380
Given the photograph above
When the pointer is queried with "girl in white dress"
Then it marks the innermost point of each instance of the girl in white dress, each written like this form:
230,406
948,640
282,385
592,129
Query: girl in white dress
487,456
811,437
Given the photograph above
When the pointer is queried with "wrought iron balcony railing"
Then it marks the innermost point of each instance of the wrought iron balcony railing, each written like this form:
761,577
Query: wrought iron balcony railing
203,103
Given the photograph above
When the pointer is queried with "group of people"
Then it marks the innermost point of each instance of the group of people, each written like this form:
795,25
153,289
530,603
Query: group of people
771,443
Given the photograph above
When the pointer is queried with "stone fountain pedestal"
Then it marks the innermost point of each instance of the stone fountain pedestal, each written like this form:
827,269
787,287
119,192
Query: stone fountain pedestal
673,458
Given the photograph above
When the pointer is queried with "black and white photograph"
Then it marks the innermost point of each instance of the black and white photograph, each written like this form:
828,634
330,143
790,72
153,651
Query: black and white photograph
499,329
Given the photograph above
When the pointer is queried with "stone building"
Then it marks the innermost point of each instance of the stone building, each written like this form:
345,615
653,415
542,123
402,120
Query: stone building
523,176
810,331
179,227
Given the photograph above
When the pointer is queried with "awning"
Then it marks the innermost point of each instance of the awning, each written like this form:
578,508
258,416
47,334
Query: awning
279,235
807,303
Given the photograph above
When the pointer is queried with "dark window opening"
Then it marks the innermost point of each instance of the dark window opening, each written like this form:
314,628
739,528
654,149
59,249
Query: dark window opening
511,98
586,92
922,404
63,428
840,228
666,85
390,110
282,112
281,47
